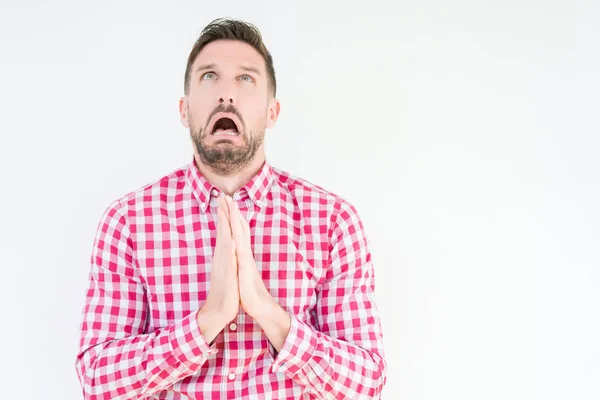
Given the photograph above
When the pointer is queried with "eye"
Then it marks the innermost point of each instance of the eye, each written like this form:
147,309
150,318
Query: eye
247,78
208,75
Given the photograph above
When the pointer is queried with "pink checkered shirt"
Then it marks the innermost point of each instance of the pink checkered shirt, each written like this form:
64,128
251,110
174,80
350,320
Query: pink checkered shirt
150,273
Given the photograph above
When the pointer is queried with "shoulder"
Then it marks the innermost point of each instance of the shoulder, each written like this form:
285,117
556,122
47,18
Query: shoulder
149,194
312,196
304,190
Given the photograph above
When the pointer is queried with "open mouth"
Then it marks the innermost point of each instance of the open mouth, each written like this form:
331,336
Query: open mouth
225,126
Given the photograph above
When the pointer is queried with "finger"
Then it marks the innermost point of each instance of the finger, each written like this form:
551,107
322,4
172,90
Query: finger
242,231
226,207
223,227
243,224
235,223
246,226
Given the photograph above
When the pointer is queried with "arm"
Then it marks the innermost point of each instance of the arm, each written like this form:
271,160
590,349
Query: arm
344,359
117,359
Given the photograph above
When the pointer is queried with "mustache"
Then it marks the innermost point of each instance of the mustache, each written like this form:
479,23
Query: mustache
226,109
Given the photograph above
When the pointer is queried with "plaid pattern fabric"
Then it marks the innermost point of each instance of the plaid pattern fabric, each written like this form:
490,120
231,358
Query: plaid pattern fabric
150,274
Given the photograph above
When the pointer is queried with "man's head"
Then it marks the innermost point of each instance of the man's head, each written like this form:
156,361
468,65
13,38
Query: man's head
229,97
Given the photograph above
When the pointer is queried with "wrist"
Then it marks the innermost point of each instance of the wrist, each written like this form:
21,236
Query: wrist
276,323
210,323
271,311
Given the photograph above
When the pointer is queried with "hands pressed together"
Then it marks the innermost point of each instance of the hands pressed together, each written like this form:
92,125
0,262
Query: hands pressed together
235,280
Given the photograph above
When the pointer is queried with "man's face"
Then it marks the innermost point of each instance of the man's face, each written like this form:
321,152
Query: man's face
228,106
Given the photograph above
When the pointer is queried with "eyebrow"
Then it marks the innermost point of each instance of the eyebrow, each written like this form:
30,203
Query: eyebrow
213,66
250,69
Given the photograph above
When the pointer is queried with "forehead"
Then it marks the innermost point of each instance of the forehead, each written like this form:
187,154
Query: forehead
230,53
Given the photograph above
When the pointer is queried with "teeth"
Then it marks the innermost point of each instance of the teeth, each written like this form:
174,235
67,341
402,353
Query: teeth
226,132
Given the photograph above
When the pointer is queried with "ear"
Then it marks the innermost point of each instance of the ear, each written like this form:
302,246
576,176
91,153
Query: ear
273,112
184,111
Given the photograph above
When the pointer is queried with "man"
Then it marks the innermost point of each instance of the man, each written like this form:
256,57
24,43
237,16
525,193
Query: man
229,278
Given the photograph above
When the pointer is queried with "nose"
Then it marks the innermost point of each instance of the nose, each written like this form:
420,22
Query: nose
221,100
227,95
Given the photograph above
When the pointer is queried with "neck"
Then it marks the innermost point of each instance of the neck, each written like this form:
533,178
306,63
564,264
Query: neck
231,183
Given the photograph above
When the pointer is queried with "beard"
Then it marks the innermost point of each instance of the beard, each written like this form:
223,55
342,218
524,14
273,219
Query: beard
223,157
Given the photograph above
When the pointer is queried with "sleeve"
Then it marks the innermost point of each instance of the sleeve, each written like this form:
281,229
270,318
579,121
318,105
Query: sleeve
344,359
117,359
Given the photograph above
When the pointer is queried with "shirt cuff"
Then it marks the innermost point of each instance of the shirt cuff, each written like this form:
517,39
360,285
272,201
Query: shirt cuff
187,342
297,349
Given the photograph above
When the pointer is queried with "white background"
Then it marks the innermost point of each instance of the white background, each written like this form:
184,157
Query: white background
465,133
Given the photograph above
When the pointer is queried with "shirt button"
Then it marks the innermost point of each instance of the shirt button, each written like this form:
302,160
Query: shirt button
231,376
233,326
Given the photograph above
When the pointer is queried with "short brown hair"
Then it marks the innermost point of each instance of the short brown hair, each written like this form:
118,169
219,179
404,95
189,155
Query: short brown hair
231,29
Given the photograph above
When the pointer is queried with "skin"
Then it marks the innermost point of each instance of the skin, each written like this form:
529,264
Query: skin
230,76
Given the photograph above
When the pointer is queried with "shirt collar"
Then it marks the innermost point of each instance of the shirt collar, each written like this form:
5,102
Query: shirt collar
257,188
